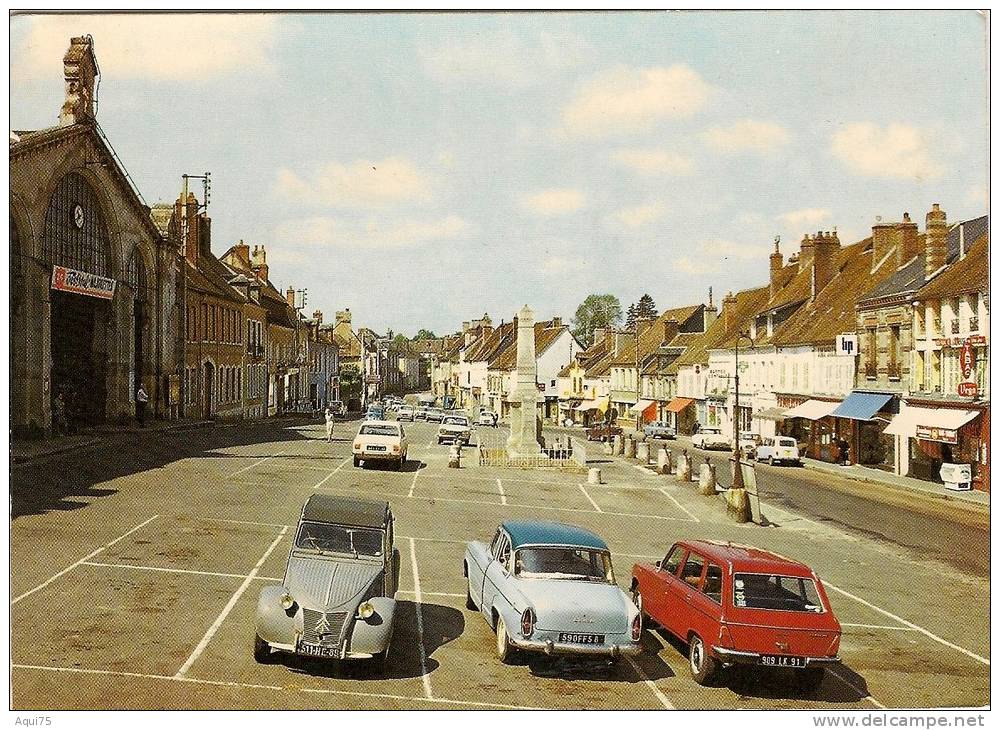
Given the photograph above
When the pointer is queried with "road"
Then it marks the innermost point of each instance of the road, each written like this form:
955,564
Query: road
135,568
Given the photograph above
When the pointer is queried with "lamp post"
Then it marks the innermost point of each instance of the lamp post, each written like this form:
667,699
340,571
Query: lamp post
737,500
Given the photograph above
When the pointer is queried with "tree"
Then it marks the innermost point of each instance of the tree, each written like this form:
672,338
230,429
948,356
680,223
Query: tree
423,334
350,381
597,310
646,308
633,313
400,341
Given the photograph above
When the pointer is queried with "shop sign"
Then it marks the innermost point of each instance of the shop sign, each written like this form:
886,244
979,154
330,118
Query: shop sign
80,282
973,340
933,433
967,359
968,390
847,345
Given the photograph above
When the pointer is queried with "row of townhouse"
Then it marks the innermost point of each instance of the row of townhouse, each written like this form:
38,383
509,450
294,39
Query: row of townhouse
873,353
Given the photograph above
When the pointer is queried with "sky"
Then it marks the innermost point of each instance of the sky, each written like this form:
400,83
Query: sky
424,169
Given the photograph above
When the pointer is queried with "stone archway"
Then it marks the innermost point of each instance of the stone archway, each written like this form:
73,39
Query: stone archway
141,291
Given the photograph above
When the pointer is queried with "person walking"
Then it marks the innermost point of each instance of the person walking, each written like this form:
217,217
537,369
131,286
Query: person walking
141,399
329,424
59,414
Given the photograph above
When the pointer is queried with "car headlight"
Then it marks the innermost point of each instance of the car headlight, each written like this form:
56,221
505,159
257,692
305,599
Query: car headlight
287,601
366,610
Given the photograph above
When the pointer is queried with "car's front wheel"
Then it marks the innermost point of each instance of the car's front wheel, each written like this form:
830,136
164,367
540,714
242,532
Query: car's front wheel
703,667
505,650
261,650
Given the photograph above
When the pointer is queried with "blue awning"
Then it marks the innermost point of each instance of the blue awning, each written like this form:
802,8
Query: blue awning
862,406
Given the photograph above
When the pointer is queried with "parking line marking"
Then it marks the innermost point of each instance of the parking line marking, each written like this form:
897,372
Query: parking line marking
242,522
279,688
921,629
503,497
651,684
83,559
330,475
681,507
229,607
413,484
864,695
876,626
434,593
162,570
433,539
590,499
256,463
420,621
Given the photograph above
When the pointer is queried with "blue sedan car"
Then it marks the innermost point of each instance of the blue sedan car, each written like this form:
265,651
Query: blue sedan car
549,587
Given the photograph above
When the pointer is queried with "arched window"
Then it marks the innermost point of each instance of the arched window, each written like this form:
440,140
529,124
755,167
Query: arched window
75,234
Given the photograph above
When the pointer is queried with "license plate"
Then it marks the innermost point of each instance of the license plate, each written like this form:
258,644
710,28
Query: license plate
567,638
782,661
376,448
316,650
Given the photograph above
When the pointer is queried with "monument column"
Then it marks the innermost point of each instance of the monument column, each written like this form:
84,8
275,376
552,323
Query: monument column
523,439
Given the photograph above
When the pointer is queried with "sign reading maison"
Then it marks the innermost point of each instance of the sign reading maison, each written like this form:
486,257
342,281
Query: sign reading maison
80,282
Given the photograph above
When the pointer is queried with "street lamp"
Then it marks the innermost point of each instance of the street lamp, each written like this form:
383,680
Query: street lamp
737,471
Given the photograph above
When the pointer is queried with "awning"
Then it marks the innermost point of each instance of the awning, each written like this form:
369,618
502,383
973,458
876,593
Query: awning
679,404
771,414
814,410
861,406
641,406
910,418
587,405
603,403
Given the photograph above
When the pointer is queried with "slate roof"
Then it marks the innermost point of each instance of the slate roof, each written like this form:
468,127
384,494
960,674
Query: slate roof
748,303
210,277
650,338
539,532
967,275
545,335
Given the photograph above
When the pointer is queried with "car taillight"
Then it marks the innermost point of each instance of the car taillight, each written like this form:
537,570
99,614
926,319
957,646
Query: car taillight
357,445
395,449
527,623
725,637
637,627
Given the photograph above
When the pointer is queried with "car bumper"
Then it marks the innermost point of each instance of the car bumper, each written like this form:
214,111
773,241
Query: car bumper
552,648
378,456
734,656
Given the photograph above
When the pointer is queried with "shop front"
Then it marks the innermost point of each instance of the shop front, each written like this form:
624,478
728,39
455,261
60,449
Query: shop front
859,428
929,436
819,435
681,414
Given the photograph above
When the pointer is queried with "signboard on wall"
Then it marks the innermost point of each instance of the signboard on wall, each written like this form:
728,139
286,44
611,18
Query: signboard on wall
847,345
933,433
967,359
80,282
968,390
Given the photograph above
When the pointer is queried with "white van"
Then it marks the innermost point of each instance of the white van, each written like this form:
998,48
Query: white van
780,448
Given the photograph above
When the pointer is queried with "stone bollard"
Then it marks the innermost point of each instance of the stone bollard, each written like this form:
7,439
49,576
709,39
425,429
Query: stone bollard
593,476
619,445
609,447
706,480
630,448
671,468
642,452
683,468
455,456
661,462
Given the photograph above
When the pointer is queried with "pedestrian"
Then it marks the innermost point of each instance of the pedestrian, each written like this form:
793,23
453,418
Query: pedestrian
141,399
59,414
329,424
845,452
496,418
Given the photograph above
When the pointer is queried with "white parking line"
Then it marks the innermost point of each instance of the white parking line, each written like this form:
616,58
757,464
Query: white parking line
274,687
158,569
413,484
503,497
681,507
83,559
229,607
876,626
242,522
420,622
921,629
590,499
330,475
434,593
651,684
256,463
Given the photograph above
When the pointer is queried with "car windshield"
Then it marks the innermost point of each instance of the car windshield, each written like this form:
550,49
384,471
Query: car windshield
776,593
456,421
327,538
564,563
786,442
713,431
380,429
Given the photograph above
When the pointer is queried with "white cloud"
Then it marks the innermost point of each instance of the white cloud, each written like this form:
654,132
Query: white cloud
560,265
628,99
556,201
895,151
184,46
362,183
636,216
746,136
719,255
686,265
322,232
654,161
804,217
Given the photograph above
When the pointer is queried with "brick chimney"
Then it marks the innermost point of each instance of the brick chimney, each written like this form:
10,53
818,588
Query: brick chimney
776,261
79,73
909,240
242,252
826,247
290,296
711,313
556,322
728,315
883,241
318,316
199,236
343,317
599,334
935,240
258,264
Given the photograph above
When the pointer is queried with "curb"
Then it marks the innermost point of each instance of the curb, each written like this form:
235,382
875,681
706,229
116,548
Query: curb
54,452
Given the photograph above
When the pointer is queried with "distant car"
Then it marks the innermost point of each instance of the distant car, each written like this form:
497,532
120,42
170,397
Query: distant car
455,429
338,408
603,432
659,430
420,414
434,414
710,438
380,441
487,418
782,449
549,588
735,604
375,413
749,442
405,413
337,597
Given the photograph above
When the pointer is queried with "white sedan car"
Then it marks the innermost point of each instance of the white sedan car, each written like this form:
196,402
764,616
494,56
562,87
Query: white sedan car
380,441
781,448
710,438
455,428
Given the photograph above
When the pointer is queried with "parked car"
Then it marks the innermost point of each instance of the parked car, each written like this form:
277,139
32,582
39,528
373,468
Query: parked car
549,587
780,448
375,412
420,414
603,432
487,418
455,429
735,604
659,430
749,442
383,441
405,413
709,437
337,597
435,414
338,408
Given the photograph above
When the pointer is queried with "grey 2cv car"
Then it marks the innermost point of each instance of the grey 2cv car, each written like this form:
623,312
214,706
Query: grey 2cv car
336,600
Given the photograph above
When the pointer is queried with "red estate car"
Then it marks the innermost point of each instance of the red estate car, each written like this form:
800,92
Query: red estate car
735,604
